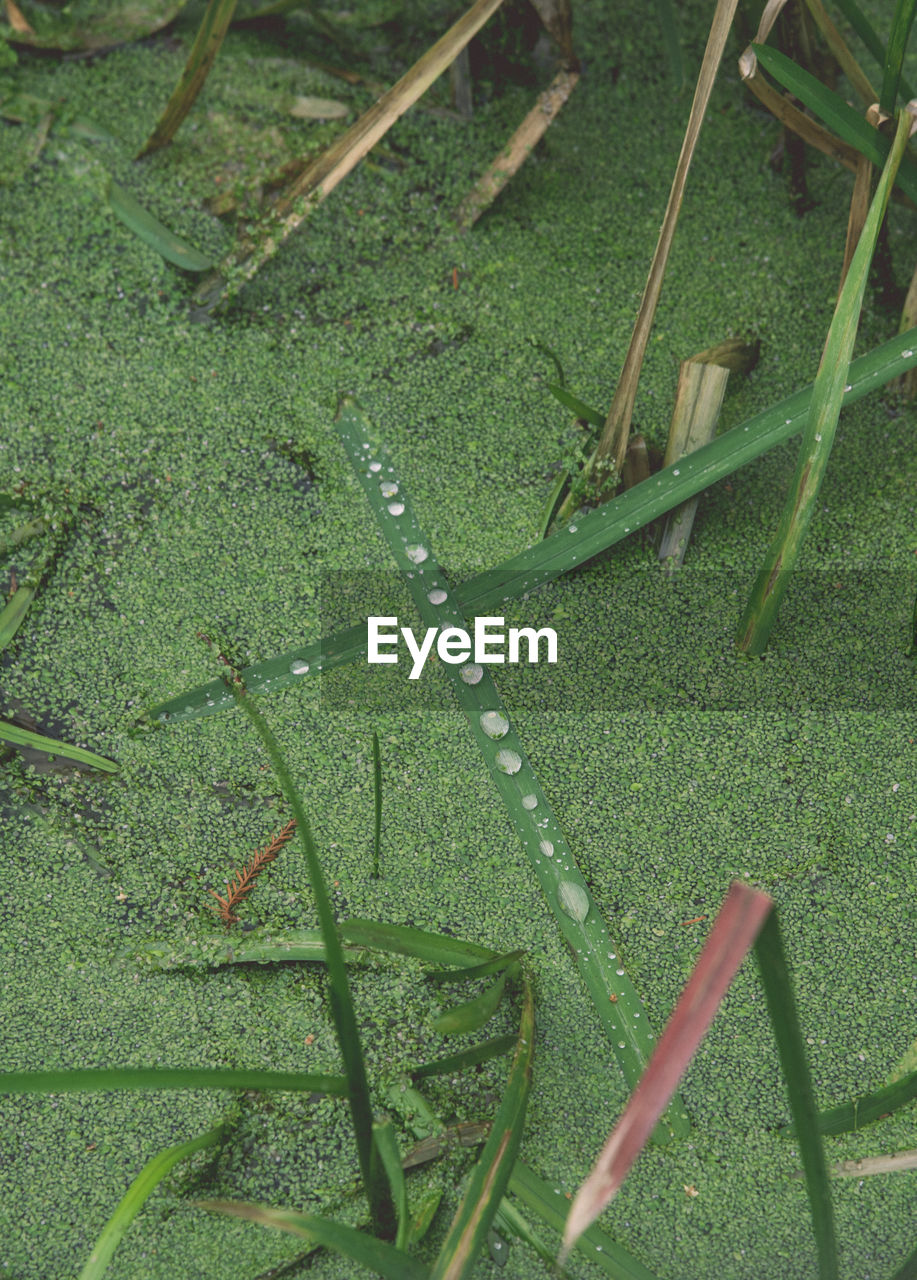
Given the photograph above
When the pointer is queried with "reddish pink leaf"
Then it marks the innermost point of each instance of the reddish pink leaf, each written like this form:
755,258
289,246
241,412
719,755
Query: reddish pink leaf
742,914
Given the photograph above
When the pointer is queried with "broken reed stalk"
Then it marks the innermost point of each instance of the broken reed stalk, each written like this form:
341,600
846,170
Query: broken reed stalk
517,149
319,178
698,400
701,387
243,880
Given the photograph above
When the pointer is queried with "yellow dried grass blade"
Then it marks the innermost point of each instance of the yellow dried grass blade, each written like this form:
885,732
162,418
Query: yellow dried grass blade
613,443
519,147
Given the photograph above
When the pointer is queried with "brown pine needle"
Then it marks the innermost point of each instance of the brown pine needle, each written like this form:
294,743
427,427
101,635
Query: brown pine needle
243,881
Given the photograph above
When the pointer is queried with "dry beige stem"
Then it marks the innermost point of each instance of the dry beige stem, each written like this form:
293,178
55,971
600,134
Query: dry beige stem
789,115
842,55
701,388
520,145
636,467
17,19
612,446
319,178
899,1162
860,199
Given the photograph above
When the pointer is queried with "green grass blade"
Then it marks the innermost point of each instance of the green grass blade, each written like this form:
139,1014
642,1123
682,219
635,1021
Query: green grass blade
94,1079
497,965
375,1255
834,112
213,28
342,1010
908,1268
865,30
25,738
491,1174
136,1196
827,398
851,1116
407,941
576,406
30,529
377,805
593,532
619,1007
308,945
547,1202
511,1222
552,501
256,947
494,1048
471,1015
894,55
781,1007
390,1157
152,232
13,613
424,1213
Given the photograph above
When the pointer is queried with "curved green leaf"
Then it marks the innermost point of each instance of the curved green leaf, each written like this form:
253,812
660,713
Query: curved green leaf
25,738
137,1194
152,232
375,1255
834,112
491,1174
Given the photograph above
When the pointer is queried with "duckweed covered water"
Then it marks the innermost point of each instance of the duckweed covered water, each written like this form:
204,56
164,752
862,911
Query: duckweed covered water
156,434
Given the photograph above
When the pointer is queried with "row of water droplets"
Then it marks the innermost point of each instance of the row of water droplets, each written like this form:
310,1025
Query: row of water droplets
542,837
441,611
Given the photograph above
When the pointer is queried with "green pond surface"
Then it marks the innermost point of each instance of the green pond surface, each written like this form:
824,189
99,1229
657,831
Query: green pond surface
208,490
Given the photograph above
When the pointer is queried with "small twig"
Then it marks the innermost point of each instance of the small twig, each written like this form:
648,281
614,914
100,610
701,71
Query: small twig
243,880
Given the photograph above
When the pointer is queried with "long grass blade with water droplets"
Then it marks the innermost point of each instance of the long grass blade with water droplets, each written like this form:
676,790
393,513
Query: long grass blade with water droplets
593,533
136,1196
619,1008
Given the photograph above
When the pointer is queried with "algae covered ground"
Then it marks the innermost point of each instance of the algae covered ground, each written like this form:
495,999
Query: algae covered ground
201,485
